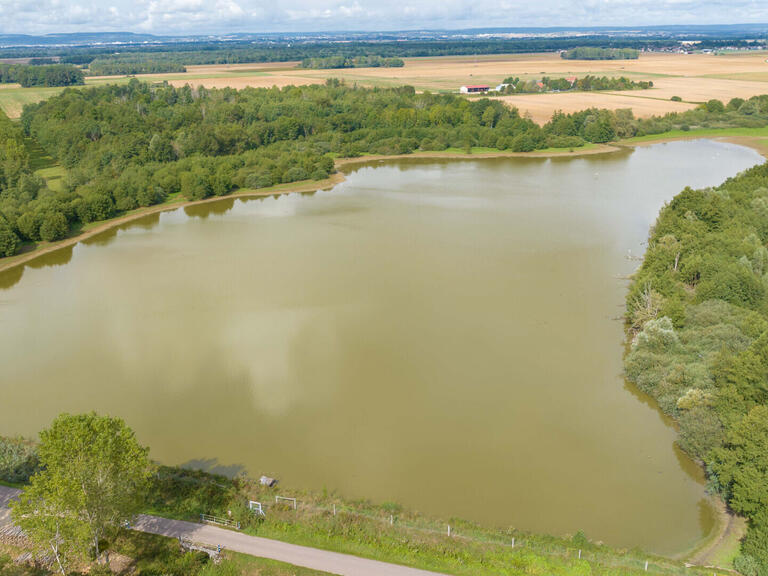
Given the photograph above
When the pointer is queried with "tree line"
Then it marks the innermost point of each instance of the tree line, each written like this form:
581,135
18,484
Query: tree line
600,53
514,85
352,62
242,52
133,64
697,316
41,75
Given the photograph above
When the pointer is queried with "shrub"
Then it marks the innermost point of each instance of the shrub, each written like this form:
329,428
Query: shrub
53,227
18,459
8,240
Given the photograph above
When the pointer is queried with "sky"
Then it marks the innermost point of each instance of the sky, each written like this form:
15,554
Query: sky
168,17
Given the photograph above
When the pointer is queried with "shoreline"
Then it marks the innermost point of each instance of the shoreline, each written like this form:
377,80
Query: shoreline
755,142
302,186
708,547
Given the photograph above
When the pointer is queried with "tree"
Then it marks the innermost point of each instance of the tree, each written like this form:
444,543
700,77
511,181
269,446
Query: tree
93,478
53,227
741,466
8,239
51,526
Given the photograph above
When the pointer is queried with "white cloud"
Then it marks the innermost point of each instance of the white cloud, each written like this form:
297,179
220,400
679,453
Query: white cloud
204,16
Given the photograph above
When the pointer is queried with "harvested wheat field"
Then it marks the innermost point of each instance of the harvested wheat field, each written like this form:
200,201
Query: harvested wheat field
265,81
540,107
695,78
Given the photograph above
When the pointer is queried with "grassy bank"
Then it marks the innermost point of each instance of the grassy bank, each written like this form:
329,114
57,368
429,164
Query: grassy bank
698,133
389,533
385,532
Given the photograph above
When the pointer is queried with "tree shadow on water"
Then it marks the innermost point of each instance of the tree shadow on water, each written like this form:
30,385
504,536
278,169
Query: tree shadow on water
213,466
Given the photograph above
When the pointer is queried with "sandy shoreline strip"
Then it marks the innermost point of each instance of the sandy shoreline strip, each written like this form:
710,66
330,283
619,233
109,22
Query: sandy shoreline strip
301,187
759,144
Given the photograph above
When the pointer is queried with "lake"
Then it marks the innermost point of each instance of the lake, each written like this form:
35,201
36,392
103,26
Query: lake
442,334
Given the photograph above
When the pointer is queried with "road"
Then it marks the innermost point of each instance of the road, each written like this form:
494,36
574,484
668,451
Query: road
314,558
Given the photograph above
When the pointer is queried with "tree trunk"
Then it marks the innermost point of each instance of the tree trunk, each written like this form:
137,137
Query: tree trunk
55,548
96,546
58,559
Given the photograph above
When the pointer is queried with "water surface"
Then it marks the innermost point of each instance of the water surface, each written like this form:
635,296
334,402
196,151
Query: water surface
440,334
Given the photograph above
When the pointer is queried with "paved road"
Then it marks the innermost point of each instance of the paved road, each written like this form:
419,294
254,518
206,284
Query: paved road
333,562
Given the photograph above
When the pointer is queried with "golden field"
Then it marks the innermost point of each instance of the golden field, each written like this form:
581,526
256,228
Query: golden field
693,77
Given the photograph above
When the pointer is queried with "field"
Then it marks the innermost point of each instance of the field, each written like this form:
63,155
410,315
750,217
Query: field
694,78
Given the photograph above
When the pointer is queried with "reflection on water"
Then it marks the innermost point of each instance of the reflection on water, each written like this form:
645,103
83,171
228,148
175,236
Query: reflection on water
55,258
441,334
11,277
209,208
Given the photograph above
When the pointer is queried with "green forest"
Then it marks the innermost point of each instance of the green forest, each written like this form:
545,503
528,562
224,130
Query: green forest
134,145
41,75
514,85
241,52
697,316
355,62
599,53
133,64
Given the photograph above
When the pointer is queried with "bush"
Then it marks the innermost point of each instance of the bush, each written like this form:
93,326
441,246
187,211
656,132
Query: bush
54,227
8,240
715,106
746,565
18,459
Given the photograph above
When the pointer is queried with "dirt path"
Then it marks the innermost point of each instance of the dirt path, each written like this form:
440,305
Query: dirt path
720,549
314,558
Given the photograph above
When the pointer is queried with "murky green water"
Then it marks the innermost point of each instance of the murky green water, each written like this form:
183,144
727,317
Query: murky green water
441,334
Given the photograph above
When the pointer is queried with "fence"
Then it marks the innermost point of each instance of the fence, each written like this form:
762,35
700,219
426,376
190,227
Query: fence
188,545
467,533
279,499
208,519
256,507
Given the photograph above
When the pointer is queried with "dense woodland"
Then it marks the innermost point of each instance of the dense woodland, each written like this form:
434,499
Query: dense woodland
196,52
133,64
697,312
41,75
514,85
356,62
133,145
600,53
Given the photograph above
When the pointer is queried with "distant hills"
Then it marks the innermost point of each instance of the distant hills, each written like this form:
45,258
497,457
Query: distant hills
736,31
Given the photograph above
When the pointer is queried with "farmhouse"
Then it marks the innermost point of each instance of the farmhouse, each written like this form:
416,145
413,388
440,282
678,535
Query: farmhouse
475,89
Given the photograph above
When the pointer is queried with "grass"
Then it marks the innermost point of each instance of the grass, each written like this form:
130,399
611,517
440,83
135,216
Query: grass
53,176
730,546
700,133
13,99
250,566
482,150
140,554
388,533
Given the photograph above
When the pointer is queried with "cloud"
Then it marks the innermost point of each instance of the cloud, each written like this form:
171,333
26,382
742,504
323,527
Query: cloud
219,16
